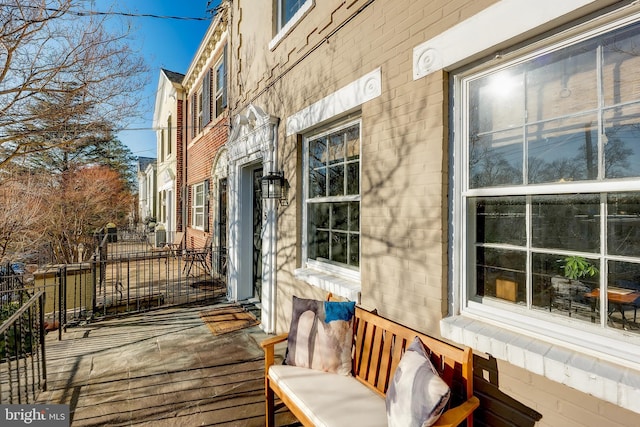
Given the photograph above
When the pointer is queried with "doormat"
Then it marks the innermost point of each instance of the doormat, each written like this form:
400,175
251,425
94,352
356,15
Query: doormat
230,318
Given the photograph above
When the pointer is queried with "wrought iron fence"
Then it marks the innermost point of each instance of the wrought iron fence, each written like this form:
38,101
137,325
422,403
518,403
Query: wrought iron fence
23,368
129,272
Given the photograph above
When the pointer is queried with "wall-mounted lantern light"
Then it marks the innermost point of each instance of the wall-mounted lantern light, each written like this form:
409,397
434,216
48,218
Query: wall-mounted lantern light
275,186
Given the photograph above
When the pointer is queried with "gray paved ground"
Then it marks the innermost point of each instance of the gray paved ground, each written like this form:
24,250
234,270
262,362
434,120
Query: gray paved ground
160,368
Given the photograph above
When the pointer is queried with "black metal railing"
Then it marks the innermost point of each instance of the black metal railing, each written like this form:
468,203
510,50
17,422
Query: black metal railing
23,368
126,275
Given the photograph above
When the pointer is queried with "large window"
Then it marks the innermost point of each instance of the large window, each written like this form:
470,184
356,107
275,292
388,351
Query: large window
332,169
550,191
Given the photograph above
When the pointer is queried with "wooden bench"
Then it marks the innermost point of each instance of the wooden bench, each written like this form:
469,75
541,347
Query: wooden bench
378,347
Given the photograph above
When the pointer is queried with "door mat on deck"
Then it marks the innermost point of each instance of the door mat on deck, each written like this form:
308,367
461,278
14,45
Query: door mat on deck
229,318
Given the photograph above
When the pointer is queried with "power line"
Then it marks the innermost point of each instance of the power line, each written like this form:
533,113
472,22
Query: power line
127,14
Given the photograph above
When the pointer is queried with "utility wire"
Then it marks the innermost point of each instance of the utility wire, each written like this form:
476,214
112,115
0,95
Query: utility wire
127,14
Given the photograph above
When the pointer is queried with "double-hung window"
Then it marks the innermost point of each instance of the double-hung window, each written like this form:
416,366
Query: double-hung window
332,199
198,206
221,84
548,187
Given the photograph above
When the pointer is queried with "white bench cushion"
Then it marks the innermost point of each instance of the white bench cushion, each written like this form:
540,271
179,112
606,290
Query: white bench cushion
330,400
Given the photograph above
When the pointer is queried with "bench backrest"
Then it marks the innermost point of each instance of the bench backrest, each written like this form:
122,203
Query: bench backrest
380,344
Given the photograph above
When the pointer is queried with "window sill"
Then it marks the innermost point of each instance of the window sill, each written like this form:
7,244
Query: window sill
346,288
608,381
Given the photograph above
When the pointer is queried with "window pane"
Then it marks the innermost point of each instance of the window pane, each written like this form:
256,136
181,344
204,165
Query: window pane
496,159
496,102
354,250
561,83
336,180
339,247
623,224
319,215
557,294
353,142
353,178
289,8
622,149
570,222
621,69
340,216
317,153
317,182
500,220
501,274
623,295
336,148
319,246
563,150
354,216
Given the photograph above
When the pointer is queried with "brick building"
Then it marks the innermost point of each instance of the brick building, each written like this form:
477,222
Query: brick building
206,128
445,160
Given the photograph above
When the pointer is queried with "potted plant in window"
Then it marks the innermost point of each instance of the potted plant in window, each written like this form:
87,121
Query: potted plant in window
568,289
577,267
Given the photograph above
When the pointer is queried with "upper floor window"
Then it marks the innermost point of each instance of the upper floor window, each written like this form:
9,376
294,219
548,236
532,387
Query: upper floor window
332,202
169,136
550,188
221,85
286,14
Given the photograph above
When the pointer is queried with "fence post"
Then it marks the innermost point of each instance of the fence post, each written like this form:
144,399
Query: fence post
94,276
42,340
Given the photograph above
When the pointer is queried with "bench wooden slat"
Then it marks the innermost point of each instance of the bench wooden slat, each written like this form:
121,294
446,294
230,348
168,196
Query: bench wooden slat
378,347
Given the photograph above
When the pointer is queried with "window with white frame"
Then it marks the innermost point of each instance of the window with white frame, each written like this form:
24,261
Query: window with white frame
221,84
332,198
169,136
198,200
287,9
549,186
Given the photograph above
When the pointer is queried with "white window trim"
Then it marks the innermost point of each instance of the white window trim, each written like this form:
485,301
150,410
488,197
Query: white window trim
339,103
460,42
336,279
219,92
286,29
194,206
600,362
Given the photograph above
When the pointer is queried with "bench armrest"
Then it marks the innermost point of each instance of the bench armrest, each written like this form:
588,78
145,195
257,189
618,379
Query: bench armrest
455,416
268,345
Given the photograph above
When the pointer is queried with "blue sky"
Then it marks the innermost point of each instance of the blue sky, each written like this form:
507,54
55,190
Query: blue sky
164,43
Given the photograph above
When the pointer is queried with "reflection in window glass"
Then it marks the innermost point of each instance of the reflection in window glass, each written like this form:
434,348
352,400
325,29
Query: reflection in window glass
563,150
333,206
622,149
623,224
500,220
550,139
568,222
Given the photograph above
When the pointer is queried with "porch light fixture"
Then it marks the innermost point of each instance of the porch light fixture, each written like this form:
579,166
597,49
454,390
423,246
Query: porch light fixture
275,186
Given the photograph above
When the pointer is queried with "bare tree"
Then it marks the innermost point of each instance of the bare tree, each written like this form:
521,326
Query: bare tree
21,216
52,53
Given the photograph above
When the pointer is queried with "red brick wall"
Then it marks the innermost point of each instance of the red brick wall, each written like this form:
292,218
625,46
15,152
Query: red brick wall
180,144
201,152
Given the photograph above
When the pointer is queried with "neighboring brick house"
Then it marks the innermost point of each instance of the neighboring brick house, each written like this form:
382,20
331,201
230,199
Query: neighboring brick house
443,159
167,121
206,128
